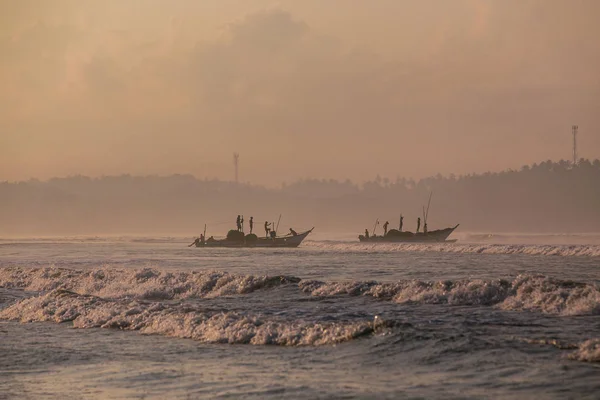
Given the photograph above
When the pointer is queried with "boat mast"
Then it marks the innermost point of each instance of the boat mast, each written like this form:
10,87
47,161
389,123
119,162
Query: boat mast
426,214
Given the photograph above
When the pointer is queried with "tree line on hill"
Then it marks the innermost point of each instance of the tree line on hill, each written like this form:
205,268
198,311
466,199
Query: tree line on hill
545,197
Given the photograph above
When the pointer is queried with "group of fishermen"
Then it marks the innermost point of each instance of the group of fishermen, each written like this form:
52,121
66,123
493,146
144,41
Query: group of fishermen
385,227
240,227
268,231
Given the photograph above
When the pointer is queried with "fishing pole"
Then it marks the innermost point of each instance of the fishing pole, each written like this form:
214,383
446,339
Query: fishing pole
428,204
375,226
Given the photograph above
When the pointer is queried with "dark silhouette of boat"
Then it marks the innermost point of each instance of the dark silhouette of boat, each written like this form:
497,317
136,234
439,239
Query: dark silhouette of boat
396,236
400,236
238,239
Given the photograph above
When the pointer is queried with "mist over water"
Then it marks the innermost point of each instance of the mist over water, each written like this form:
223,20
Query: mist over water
551,197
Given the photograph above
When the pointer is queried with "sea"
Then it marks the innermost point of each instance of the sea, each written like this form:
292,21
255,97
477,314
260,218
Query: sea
492,316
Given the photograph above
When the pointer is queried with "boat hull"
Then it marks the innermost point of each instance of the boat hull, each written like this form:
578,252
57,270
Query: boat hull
438,236
282,241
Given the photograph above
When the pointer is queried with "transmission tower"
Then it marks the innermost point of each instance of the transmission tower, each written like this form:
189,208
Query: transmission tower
575,128
236,162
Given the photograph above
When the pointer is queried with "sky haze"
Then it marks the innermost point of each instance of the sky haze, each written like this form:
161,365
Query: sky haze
301,89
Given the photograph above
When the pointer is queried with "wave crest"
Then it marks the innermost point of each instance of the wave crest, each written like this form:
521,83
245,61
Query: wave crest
588,351
529,249
147,283
184,321
525,292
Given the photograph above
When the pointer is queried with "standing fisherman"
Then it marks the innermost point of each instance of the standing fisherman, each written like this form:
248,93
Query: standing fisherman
425,228
242,224
238,222
401,222
267,229
251,223
418,224
385,228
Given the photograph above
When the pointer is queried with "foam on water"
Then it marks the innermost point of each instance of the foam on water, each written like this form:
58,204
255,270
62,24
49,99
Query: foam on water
587,351
181,320
525,292
144,283
160,302
475,248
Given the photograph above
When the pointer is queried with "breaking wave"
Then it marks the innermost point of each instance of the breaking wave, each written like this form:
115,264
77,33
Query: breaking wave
587,351
147,283
525,292
151,301
528,249
158,302
180,320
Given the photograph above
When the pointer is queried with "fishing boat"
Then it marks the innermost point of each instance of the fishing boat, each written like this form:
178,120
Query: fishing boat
400,236
396,236
238,239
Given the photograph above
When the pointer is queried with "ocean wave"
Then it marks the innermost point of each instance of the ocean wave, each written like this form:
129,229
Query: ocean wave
182,320
528,249
144,283
588,351
524,293
157,302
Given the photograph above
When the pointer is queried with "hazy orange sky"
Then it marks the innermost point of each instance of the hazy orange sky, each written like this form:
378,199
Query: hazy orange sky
311,88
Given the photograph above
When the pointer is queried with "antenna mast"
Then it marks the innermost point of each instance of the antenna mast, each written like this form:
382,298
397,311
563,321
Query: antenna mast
575,128
236,162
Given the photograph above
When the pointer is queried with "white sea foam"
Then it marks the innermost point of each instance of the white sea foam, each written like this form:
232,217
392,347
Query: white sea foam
147,300
180,320
475,248
526,292
587,351
144,283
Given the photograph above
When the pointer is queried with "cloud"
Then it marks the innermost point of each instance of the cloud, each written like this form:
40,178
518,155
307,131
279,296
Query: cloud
276,88
270,62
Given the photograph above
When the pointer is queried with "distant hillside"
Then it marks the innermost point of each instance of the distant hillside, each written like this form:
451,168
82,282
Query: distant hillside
545,197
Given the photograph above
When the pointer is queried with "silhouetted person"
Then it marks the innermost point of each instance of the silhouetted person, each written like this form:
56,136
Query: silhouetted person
267,230
293,232
238,222
366,233
425,228
385,228
251,224
198,242
418,224
401,223
242,224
